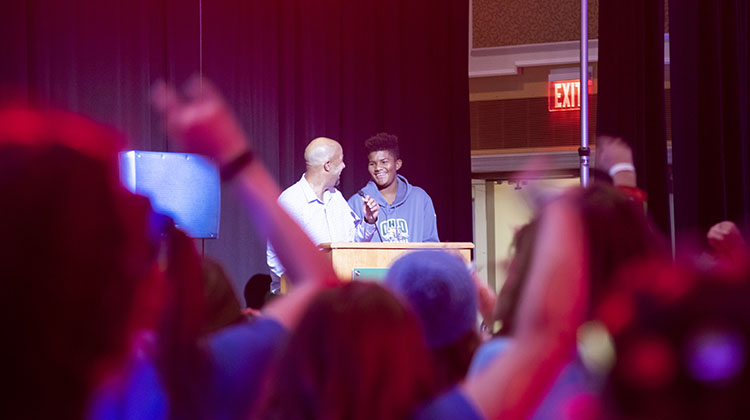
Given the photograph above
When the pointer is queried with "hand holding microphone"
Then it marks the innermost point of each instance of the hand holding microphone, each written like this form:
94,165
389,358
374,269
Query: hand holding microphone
370,208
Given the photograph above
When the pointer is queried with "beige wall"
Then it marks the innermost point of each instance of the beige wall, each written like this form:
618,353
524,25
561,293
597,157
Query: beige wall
509,210
497,23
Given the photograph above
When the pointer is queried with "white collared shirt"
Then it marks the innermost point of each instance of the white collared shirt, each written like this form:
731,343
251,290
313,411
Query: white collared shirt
330,220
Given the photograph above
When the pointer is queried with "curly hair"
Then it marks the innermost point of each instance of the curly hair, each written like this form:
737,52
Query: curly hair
383,141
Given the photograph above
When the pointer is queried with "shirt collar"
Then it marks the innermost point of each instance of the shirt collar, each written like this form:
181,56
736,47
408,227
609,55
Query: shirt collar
310,194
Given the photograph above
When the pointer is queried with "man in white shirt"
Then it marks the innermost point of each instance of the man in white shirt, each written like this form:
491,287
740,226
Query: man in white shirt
319,207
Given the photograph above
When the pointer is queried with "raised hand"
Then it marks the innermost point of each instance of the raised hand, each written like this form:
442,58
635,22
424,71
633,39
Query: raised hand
727,241
202,123
200,119
611,151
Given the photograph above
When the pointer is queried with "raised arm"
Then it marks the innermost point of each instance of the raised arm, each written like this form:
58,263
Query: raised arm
552,307
202,122
728,244
614,157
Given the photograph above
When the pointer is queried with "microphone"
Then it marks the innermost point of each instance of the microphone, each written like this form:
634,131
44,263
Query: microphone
362,194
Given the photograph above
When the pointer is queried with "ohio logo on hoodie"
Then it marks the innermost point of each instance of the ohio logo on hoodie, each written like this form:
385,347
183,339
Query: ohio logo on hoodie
394,230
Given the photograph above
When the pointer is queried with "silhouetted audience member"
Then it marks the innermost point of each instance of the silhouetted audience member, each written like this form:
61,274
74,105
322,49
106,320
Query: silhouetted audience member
503,316
167,374
257,292
617,229
75,257
615,165
618,233
222,306
440,289
728,246
358,353
681,342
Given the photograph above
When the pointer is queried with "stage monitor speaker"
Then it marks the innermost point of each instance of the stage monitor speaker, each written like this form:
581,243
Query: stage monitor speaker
184,186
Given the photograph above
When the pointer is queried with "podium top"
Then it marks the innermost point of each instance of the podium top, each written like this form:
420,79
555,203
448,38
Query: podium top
397,245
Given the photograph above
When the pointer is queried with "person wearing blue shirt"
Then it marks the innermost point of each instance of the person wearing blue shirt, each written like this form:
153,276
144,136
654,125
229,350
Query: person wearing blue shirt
406,211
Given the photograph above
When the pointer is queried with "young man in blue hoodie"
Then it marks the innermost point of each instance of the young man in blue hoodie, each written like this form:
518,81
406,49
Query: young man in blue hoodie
406,211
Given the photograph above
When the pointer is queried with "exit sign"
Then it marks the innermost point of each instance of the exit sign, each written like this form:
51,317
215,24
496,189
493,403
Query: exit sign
564,89
564,95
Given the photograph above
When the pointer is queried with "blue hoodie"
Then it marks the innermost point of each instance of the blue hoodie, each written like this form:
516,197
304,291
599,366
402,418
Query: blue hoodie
411,217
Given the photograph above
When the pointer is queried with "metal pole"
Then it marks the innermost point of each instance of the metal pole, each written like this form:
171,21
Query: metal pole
584,151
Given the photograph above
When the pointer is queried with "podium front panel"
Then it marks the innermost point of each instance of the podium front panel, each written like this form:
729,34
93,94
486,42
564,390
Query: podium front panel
345,257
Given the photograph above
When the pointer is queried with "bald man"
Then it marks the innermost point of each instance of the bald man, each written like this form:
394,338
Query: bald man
319,207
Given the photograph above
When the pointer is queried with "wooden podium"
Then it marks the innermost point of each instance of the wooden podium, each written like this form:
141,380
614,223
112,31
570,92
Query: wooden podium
348,256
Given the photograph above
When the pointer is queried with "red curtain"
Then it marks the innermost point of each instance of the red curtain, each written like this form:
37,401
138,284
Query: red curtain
292,69
710,113
631,92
